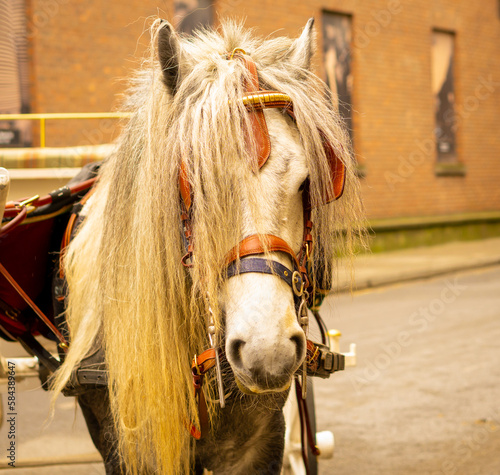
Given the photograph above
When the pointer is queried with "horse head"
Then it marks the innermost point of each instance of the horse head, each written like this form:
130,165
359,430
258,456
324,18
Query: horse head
265,340
265,343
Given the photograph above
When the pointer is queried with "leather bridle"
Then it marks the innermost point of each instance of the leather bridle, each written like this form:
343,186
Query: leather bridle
297,278
241,258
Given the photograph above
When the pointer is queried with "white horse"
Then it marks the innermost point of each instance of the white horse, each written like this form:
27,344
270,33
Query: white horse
197,179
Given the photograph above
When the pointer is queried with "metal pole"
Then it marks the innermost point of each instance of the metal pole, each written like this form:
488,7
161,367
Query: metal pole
42,133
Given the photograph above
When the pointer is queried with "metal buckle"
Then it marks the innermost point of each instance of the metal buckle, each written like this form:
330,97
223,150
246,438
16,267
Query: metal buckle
214,344
29,201
197,367
296,278
308,255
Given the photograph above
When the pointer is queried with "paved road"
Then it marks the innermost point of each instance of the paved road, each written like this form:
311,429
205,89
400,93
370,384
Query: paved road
36,438
425,396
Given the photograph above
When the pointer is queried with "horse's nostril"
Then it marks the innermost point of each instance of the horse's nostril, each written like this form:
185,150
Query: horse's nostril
235,347
300,342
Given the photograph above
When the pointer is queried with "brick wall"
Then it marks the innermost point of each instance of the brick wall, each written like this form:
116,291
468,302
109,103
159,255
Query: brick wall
81,52
82,49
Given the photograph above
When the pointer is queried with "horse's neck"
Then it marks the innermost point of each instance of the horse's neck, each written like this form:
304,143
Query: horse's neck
243,435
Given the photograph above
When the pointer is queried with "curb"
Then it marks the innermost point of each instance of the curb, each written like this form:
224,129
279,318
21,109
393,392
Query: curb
78,459
369,284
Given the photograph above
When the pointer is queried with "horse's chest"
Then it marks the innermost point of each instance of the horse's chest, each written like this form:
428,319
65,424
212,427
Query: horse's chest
244,442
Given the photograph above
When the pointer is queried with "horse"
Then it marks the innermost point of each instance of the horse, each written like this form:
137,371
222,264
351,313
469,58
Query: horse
208,172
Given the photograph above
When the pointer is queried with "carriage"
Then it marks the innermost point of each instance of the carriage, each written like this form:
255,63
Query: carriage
169,227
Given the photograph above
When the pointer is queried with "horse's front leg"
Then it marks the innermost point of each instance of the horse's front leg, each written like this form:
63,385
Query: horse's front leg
97,413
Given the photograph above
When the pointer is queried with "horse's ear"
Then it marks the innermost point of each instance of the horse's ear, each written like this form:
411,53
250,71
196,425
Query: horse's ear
302,49
168,54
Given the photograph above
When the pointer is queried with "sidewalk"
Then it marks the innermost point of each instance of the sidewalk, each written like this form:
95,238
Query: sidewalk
375,270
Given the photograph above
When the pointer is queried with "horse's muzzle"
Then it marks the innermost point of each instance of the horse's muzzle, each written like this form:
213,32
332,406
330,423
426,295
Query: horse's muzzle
261,365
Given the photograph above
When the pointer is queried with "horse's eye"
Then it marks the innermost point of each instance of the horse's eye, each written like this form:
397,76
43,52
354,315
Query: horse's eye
304,184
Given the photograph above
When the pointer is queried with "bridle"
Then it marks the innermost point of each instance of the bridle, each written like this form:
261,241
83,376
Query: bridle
240,259
255,101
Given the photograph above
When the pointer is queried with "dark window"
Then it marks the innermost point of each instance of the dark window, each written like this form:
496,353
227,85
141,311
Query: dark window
443,89
337,60
193,14
14,73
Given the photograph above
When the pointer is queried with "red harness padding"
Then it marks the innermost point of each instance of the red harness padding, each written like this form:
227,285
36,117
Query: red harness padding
26,298
18,210
24,261
24,256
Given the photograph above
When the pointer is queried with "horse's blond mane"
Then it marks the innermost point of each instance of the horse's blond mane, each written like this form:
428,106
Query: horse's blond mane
127,287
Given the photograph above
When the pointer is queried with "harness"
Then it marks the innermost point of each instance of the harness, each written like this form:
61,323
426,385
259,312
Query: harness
319,360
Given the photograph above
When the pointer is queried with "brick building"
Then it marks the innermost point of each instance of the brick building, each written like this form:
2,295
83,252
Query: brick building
419,84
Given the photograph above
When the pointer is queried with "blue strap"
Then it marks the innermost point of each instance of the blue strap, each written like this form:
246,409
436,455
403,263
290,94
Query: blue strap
262,266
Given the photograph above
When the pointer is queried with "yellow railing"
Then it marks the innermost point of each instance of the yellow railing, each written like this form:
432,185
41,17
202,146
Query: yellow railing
63,115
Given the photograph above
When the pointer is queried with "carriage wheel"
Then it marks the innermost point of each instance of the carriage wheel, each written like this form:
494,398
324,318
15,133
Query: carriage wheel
292,460
311,458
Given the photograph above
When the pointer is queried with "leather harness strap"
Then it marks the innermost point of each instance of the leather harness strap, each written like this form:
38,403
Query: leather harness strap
62,341
257,119
15,221
262,266
305,427
337,167
201,364
272,99
184,187
259,244
68,233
